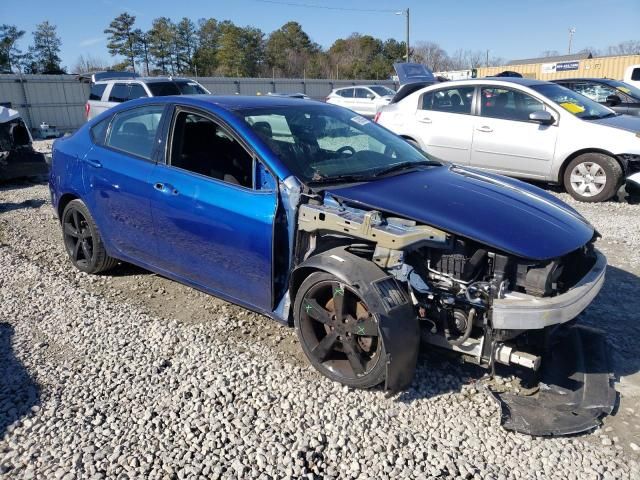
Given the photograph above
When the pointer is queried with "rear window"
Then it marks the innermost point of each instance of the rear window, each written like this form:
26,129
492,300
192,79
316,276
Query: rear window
635,75
162,89
97,89
119,93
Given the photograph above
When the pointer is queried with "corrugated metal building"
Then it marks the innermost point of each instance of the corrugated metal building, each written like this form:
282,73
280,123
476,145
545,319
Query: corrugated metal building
567,66
60,99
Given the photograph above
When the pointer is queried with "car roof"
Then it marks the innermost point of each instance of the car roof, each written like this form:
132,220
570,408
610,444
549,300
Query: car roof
227,102
146,80
583,79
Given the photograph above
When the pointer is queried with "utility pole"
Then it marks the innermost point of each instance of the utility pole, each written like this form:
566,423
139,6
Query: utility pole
487,63
572,30
406,14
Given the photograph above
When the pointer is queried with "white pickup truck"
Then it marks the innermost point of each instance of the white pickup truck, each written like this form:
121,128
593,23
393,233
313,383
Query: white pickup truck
632,75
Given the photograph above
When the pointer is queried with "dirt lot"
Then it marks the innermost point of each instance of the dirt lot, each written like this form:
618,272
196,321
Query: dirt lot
131,375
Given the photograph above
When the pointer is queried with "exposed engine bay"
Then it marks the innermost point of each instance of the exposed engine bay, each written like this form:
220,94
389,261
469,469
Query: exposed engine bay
487,305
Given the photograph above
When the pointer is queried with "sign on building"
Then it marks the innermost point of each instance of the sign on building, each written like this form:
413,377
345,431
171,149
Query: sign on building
560,66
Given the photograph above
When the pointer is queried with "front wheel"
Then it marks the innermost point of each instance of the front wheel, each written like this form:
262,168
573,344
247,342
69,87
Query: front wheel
338,332
592,177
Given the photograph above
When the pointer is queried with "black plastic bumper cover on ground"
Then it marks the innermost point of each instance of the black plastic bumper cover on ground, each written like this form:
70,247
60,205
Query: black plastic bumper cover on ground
575,388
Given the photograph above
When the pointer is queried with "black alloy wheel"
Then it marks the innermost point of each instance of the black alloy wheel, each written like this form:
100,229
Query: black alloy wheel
338,332
83,241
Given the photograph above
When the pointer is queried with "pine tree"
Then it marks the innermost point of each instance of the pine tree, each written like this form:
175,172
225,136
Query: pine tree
161,44
10,56
122,39
45,52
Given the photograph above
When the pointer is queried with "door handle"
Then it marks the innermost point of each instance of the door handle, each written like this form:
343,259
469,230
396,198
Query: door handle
424,120
93,163
484,128
165,188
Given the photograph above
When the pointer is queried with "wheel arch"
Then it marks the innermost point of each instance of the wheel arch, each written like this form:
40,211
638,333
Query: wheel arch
399,325
64,200
570,158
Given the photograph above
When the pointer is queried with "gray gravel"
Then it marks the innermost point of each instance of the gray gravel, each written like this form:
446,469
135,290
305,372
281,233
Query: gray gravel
134,376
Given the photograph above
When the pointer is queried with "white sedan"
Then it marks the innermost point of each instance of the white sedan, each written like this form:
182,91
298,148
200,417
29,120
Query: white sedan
363,99
522,128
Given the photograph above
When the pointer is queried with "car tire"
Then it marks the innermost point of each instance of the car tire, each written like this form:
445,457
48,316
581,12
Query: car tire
338,363
82,239
592,177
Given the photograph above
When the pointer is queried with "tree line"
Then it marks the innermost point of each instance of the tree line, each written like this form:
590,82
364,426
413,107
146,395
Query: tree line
210,47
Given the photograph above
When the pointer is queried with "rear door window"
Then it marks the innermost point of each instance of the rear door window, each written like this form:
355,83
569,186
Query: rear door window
361,93
119,93
346,92
99,131
97,89
137,91
450,100
134,131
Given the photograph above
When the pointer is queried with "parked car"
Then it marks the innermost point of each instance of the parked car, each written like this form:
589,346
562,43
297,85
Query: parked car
616,95
522,128
363,99
17,155
108,92
632,75
319,218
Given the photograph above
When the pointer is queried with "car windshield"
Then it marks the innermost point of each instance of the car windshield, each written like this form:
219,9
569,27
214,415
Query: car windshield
382,90
322,143
625,88
162,89
579,105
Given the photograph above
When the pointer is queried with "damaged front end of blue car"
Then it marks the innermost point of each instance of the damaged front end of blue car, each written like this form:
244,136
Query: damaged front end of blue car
490,268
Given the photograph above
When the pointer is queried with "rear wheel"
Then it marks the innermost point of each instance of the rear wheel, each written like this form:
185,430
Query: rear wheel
82,239
338,332
592,177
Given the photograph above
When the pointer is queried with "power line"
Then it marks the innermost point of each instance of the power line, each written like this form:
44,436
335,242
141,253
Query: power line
325,7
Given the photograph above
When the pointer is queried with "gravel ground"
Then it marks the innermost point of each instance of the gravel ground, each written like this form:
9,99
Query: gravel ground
131,375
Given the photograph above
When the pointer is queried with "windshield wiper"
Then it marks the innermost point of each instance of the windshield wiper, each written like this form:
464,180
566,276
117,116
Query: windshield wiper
340,178
404,166
598,117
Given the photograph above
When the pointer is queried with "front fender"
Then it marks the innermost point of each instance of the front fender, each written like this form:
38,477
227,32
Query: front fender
399,327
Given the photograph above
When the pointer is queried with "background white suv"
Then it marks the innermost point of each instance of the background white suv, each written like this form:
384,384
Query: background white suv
363,99
106,93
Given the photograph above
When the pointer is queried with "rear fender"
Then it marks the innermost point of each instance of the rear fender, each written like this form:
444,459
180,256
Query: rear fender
399,326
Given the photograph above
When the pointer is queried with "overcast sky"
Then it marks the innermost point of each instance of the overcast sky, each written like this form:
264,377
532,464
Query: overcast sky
508,28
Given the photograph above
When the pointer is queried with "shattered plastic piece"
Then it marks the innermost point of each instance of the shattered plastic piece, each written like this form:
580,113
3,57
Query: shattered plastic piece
575,389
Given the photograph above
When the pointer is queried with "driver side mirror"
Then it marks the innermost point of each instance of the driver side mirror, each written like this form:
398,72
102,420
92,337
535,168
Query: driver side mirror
370,96
542,117
613,100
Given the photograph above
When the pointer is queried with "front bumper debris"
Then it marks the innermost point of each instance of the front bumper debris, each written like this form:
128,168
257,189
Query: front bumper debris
524,312
575,389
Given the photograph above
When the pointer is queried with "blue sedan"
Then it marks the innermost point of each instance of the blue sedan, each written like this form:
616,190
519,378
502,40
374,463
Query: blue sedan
320,218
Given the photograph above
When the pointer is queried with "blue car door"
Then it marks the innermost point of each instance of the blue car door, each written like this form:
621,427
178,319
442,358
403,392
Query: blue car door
117,173
213,225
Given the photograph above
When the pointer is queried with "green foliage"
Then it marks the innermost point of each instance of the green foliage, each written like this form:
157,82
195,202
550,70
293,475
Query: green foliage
185,45
239,51
161,44
44,54
289,49
10,56
122,39
205,55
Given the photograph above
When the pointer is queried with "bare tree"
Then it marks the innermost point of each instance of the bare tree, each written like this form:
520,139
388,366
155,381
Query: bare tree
550,53
88,63
432,55
630,47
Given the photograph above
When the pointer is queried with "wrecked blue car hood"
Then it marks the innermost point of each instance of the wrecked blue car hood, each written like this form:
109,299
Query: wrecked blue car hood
500,212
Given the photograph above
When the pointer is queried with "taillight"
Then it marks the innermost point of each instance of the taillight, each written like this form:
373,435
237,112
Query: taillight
87,107
377,117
